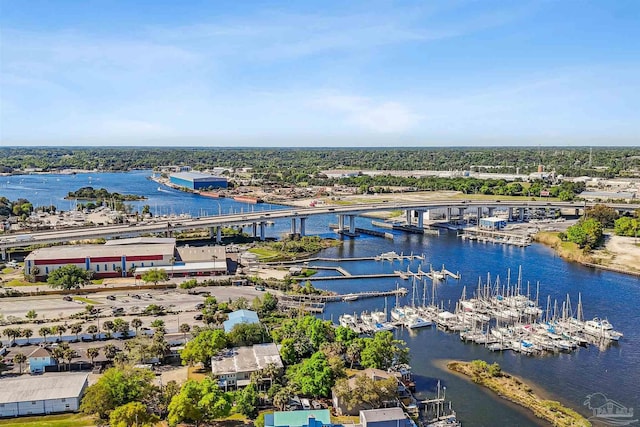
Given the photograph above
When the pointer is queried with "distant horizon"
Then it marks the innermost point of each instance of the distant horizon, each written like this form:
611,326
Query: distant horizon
325,74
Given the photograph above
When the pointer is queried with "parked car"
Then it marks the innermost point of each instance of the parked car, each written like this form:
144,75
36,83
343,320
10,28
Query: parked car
67,298
111,297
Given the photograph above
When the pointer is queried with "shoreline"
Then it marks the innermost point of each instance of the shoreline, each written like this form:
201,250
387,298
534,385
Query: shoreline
568,252
515,390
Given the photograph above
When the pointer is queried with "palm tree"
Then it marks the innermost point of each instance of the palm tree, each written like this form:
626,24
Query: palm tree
19,359
69,354
44,331
92,353
76,328
282,398
110,351
12,333
59,329
108,328
31,315
27,333
136,323
185,328
93,330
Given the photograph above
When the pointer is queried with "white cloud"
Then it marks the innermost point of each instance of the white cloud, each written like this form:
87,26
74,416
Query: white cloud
371,115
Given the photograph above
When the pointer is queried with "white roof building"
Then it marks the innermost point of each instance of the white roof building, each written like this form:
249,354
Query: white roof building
42,394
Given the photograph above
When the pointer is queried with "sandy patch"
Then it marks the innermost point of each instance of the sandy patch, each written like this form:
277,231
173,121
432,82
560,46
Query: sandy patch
620,252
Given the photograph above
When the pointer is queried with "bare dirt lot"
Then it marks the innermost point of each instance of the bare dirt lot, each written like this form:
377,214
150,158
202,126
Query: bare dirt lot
620,252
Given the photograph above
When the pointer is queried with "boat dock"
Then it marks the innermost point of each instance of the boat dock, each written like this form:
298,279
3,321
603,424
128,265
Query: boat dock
404,227
393,256
350,277
316,303
496,237
431,274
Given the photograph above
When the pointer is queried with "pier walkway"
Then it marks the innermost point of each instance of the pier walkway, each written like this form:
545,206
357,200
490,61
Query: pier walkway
351,276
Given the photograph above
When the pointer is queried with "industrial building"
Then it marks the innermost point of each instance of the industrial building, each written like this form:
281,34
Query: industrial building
42,394
113,260
197,180
122,257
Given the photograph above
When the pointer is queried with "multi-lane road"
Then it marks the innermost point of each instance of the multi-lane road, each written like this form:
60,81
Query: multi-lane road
164,225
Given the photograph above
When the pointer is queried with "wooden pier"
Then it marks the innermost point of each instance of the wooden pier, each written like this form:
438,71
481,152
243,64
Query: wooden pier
349,277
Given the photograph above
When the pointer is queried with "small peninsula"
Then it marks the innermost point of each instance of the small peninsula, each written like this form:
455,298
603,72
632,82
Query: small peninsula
90,193
515,390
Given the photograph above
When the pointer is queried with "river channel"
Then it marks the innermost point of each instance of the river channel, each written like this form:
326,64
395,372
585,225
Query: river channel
570,378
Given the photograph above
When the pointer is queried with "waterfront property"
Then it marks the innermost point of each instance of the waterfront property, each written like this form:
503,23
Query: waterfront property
46,394
492,223
234,368
385,417
306,418
120,257
197,180
374,374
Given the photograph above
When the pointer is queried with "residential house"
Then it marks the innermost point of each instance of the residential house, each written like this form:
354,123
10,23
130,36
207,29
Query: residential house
308,418
234,368
39,359
385,417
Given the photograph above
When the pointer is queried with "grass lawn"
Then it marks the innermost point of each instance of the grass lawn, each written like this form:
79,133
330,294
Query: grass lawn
97,281
86,300
7,270
18,282
64,420
264,253
196,373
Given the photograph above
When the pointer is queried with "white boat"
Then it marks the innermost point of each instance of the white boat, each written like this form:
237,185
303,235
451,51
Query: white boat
347,320
349,297
601,328
415,321
397,314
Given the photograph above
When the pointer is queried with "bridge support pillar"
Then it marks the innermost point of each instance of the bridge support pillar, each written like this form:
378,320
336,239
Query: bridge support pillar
448,216
408,215
254,230
479,215
262,231
352,224
340,223
420,219
521,214
4,254
577,212
510,214
303,222
491,209
293,226
212,232
461,213
218,234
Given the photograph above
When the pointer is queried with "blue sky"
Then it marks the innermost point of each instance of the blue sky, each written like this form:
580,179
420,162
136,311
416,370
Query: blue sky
329,73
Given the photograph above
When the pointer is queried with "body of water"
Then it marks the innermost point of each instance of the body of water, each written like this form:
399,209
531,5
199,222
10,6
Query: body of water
614,371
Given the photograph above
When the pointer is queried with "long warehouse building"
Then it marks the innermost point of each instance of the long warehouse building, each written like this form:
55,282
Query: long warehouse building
197,180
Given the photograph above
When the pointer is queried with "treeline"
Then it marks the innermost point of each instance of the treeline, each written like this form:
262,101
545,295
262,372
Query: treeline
301,162
588,233
497,187
100,194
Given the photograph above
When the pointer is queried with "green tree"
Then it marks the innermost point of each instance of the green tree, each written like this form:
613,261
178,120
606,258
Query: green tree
244,334
44,331
199,401
92,353
19,359
203,347
76,328
68,277
26,333
626,226
132,414
93,330
247,401
117,387
604,214
31,315
384,352
155,275
136,323
314,376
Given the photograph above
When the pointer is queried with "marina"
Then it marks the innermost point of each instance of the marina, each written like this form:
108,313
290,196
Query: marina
568,376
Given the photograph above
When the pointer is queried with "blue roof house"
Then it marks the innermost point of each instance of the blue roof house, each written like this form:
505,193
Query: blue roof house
240,316
308,418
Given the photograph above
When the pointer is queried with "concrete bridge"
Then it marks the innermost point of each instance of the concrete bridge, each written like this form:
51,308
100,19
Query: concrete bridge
415,213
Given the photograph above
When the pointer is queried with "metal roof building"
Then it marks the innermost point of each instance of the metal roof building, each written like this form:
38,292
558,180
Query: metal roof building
240,316
235,367
197,180
310,418
42,394
384,417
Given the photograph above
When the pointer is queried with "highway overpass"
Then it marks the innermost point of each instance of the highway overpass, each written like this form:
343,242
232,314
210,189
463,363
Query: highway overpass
215,223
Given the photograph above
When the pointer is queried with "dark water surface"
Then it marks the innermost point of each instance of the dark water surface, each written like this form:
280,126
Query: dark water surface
614,371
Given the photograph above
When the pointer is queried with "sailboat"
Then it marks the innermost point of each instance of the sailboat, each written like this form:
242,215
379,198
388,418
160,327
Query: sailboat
438,412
